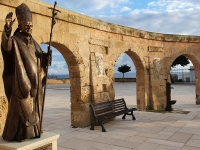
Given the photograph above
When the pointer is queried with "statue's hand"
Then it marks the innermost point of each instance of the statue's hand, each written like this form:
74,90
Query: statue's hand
9,21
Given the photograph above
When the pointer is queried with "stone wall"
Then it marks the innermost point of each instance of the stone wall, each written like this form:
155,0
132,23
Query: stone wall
58,81
3,112
91,48
125,79
67,81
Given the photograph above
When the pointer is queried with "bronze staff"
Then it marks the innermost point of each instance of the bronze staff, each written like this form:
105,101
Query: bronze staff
49,55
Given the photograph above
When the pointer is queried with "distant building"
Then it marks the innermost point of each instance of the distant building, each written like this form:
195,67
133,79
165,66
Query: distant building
192,74
183,75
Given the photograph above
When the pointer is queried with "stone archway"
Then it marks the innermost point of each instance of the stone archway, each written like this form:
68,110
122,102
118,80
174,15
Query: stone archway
141,85
140,81
75,67
196,65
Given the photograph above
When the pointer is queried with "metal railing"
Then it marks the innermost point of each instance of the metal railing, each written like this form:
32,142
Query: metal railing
183,75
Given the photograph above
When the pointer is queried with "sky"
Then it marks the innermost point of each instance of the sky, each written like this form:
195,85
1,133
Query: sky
161,16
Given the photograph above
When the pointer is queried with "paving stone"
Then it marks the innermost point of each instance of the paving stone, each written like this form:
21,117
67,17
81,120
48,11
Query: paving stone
137,139
196,137
125,144
194,143
185,147
172,129
155,136
164,147
101,139
120,148
145,146
180,137
77,144
62,148
165,142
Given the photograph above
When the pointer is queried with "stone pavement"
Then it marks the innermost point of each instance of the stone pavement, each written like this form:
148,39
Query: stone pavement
179,130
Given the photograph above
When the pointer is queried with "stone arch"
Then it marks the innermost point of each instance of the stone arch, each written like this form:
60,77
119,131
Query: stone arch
70,55
75,67
140,76
196,65
140,79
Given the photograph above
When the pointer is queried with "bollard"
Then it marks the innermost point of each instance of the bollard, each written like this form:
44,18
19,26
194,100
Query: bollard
168,97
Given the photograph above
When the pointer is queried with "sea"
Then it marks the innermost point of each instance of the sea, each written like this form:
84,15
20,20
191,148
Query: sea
116,75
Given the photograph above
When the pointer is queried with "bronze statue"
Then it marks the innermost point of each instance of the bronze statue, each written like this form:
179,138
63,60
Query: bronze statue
24,77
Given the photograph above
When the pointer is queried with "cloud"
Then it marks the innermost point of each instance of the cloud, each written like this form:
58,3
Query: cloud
120,60
94,4
52,71
58,69
55,66
162,16
124,9
94,7
181,22
65,66
175,5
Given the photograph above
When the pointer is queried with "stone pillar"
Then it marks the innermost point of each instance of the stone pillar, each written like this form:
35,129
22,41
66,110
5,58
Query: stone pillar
80,115
197,87
80,98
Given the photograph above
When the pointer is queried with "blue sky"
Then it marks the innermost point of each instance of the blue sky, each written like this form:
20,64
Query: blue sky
162,16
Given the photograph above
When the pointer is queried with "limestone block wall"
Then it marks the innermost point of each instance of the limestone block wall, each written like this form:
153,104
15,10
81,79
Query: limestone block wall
91,48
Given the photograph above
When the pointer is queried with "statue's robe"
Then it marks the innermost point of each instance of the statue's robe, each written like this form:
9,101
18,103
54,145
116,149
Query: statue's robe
24,77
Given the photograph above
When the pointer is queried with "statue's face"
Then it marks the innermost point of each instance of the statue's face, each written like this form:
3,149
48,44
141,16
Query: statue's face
26,27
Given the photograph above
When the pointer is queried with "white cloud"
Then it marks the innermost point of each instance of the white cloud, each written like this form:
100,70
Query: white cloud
163,16
93,7
124,9
52,71
58,70
175,5
65,66
181,22
120,60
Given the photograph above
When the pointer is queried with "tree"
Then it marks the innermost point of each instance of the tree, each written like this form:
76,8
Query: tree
124,68
181,60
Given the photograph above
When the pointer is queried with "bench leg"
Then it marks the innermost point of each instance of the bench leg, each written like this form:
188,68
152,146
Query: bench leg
93,123
124,116
101,123
133,117
92,127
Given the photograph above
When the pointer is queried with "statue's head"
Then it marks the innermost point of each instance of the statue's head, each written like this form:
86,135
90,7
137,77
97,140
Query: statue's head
24,17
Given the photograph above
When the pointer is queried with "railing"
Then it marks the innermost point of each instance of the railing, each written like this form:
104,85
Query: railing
183,75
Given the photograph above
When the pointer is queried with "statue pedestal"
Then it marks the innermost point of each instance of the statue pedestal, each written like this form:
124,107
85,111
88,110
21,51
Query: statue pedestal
47,141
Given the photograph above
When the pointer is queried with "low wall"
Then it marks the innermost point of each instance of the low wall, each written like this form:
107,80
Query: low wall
58,81
125,79
67,81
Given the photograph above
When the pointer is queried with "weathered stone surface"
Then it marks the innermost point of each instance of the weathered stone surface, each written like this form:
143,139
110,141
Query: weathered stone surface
3,112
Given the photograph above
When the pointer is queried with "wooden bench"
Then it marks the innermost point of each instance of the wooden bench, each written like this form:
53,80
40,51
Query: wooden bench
106,110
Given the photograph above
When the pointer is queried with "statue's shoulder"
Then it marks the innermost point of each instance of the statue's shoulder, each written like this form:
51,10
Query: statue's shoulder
17,37
36,45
